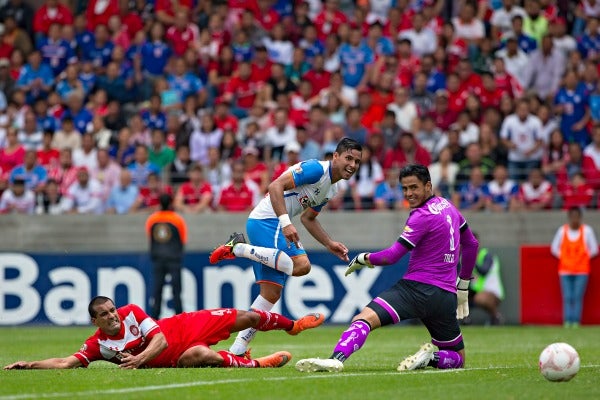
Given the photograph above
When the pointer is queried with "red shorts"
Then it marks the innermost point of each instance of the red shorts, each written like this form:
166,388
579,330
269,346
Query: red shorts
198,328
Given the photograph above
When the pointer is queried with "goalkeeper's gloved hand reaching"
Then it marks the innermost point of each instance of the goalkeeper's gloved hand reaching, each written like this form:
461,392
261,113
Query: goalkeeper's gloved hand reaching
358,262
462,294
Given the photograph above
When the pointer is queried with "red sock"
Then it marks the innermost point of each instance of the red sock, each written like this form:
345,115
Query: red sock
270,321
230,360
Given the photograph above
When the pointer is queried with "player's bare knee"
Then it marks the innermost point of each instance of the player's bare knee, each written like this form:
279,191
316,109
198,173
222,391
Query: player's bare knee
199,356
301,267
271,293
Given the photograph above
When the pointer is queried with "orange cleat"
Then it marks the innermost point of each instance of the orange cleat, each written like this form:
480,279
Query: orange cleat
275,360
309,321
225,251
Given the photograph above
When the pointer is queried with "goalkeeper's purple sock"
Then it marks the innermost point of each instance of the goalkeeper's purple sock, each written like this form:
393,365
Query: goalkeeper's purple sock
351,340
446,359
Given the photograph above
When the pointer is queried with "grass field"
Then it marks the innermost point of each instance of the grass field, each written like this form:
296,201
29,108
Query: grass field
502,364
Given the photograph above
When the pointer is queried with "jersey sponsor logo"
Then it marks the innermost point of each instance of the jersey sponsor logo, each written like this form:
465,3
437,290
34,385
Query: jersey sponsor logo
304,201
408,229
436,208
258,257
135,331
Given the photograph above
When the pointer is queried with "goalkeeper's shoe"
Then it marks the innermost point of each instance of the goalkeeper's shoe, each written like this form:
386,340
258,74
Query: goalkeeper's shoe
274,360
225,251
309,321
418,360
320,365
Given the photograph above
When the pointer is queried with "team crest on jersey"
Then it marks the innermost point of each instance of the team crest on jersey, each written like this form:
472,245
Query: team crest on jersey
161,233
298,169
134,330
408,229
304,201
83,347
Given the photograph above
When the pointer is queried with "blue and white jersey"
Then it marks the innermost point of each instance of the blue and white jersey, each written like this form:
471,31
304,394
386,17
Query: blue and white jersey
313,188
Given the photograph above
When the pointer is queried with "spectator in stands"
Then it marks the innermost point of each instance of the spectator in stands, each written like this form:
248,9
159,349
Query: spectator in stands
159,153
591,159
181,165
194,196
48,155
278,135
365,181
50,201
431,137
185,83
329,19
107,172
353,128
86,155
206,136
407,151
31,172
468,26
535,23
20,12
441,113
31,135
309,149
13,153
577,192
65,173
123,151
536,193
149,195
80,115
521,134
255,170
405,109
217,171
422,38
503,193
472,196
141,167
122,196
388,194
182,34
356,59
556,156
241,90
52,11
155,53
17,199
560,37
443,174
572,104
240,194
279,47
474,159
84,196
574,244
544,70
501,19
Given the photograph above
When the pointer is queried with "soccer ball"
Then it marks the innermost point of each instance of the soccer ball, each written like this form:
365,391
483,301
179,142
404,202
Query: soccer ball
559,362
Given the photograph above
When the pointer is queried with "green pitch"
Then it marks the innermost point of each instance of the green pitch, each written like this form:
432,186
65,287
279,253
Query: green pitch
501,364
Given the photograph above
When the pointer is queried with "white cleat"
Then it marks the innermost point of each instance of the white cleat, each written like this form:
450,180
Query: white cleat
320,365
418,360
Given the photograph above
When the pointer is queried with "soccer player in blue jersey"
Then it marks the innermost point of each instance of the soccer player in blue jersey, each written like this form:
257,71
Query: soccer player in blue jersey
275,247
437,235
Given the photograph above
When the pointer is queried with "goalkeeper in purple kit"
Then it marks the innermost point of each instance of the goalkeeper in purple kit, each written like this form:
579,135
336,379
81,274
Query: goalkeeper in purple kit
438,237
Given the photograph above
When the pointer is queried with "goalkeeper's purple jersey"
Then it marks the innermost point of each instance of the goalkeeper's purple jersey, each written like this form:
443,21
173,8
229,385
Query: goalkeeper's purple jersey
433,231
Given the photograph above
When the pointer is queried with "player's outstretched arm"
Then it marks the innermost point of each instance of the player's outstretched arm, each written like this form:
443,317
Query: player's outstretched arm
50,363
309,220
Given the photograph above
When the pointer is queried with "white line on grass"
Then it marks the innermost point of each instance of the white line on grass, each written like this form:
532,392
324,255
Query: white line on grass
171,386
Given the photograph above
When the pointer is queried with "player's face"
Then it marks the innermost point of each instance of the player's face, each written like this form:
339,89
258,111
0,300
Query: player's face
415,191
107,318
345,164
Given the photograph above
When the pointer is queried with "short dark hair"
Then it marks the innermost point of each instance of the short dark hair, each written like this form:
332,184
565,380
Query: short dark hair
417,170
347,144
575,210
96,301
165,201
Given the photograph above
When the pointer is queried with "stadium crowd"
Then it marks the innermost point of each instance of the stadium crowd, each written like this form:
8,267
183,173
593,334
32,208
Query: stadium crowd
106,104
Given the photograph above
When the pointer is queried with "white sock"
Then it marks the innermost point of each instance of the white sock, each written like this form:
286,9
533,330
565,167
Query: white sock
270,257
244,337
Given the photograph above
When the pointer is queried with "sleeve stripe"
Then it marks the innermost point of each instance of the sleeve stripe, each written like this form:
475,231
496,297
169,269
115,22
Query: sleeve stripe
464,226
406,243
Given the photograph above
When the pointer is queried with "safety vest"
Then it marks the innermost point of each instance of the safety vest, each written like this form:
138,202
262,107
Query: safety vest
574,257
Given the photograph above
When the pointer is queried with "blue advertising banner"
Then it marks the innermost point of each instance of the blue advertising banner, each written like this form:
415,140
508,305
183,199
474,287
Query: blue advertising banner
56,288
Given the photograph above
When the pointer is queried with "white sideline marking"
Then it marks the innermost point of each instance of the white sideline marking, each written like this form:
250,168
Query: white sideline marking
243,380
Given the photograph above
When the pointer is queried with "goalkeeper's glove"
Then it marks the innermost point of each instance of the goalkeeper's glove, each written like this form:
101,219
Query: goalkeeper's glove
462,294
358,262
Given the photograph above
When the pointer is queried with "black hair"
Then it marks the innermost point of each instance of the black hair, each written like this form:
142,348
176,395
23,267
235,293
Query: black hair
575,210
347,144
165,201
96,301
417,170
